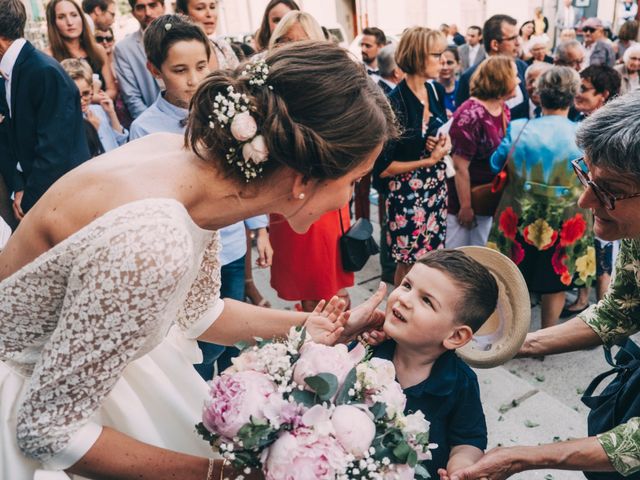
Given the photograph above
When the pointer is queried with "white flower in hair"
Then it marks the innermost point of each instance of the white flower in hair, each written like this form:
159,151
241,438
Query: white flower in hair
256,150
243,127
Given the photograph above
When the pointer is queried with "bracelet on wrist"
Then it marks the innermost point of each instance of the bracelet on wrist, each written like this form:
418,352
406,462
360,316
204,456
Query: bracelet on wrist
210,469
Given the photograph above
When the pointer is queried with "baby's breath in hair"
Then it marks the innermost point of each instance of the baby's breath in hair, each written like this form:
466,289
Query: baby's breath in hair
233,110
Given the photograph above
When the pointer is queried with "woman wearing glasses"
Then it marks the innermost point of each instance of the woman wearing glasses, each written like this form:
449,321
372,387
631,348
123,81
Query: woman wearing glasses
538,223
610,173
412,168
598,85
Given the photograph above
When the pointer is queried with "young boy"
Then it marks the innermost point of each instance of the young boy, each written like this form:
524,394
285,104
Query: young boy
178,53
441,302
102,127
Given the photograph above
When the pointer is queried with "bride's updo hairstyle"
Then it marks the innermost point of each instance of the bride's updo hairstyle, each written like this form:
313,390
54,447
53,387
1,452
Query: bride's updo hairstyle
318,112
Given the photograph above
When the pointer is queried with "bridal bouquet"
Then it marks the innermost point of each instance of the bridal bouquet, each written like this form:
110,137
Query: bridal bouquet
302,410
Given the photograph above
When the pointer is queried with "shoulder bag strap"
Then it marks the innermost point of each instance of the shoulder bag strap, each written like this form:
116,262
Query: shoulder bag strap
341,225
500,179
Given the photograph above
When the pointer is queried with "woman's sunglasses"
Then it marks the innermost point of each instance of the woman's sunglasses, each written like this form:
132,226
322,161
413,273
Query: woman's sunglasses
101,39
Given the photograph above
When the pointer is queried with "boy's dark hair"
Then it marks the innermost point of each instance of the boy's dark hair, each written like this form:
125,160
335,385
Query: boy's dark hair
381,38
492,29
89,6
13,18
159,37
603,78
478,289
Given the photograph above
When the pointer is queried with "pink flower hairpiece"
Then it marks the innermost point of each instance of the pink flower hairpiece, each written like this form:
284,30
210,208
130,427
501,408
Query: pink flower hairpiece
233,110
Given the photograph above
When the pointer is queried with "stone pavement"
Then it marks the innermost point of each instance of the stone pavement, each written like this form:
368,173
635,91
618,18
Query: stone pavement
526,401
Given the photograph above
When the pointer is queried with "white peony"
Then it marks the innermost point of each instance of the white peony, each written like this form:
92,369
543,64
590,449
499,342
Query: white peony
256,150
243,127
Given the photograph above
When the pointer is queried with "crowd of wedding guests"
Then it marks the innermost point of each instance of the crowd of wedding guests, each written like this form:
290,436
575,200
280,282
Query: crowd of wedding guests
472,108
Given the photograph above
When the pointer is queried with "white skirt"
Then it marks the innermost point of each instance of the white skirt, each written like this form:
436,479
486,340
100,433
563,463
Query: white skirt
158,400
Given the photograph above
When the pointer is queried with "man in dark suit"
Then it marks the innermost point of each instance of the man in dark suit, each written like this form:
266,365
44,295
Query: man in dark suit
500,37
44,135
472,52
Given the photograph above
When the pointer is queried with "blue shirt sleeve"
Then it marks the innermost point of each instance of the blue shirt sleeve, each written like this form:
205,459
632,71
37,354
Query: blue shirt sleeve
468,425
253,223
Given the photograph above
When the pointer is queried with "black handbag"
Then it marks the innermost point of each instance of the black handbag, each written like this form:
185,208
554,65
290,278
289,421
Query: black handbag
618,402
357,244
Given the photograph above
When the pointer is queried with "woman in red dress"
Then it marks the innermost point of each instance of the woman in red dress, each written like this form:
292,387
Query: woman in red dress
308,267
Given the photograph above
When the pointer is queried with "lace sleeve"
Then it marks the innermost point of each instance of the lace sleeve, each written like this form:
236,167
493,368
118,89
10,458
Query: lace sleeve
203,304
122,290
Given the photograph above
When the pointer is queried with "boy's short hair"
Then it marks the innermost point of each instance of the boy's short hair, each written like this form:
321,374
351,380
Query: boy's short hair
478,289
78,69
167,30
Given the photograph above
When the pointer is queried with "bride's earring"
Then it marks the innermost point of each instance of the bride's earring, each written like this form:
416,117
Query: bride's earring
301,196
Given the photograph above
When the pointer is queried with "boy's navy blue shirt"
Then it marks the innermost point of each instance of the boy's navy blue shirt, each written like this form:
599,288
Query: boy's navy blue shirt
450,400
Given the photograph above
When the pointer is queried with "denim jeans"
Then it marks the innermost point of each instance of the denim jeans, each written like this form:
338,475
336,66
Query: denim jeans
232,286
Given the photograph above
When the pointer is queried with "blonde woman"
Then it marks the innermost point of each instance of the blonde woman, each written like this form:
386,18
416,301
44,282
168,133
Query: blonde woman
412,168
294,27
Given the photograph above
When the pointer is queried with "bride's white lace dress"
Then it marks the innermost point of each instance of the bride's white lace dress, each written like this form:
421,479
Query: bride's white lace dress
99,331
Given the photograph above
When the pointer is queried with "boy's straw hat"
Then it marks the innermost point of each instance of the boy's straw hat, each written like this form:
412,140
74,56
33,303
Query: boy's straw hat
502,335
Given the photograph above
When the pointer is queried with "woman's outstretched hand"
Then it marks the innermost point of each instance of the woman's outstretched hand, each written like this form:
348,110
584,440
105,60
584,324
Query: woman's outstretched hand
365,318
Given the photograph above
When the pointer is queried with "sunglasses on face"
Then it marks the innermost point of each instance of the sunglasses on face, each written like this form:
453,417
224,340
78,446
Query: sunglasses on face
607,199
101,39
588,30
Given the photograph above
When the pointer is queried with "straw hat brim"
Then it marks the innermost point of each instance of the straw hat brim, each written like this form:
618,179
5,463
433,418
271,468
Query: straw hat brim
502,335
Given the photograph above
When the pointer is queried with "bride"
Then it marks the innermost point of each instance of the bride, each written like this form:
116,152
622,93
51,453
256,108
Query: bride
113,274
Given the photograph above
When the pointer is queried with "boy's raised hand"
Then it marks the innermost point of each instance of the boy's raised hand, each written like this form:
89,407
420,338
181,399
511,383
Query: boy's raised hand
326,323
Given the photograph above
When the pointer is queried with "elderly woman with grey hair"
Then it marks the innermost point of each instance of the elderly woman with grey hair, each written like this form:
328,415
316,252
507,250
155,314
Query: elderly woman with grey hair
538,223
628,70
610,174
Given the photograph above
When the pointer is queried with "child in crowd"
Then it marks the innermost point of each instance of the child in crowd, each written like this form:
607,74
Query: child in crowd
102,127
440,303
178,53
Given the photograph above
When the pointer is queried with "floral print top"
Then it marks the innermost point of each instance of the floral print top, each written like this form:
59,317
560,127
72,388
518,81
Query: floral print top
475,134
616,315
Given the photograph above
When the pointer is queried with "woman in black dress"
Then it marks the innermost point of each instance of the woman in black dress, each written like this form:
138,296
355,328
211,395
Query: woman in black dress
412,168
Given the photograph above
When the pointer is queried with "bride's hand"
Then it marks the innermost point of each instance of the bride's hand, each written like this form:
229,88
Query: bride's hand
366,318
326,323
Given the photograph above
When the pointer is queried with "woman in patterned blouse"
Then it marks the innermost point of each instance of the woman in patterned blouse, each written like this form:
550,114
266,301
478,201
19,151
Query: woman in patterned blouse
610,172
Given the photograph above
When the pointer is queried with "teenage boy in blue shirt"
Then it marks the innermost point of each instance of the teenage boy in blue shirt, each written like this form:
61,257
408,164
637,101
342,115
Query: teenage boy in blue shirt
178,53
439,305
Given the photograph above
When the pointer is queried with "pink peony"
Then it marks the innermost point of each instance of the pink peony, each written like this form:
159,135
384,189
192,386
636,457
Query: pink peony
247,360
243,127
302,455
234,400
256,150
354,429
316,358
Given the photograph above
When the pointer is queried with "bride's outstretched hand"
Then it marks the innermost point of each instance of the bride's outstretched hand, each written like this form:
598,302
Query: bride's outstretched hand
326,323
366,318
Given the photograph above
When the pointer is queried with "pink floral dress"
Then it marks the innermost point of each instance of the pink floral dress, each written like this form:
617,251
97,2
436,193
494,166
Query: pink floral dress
416,201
